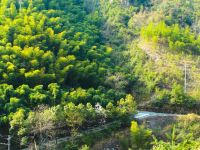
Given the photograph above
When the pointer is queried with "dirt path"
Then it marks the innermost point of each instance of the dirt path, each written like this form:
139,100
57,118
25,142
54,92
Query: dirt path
152,117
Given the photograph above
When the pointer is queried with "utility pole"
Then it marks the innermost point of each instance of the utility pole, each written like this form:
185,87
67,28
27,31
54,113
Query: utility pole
185,83
9,141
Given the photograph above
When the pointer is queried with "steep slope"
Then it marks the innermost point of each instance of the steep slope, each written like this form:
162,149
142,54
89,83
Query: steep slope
56,72
73,64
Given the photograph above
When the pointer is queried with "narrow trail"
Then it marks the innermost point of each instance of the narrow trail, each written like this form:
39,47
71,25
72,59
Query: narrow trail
140,116
53,143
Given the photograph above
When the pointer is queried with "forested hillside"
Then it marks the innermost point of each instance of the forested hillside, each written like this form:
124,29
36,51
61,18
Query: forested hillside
157,44
69,65
54,55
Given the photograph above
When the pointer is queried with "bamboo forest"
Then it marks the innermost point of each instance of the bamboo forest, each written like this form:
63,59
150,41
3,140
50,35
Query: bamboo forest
99,74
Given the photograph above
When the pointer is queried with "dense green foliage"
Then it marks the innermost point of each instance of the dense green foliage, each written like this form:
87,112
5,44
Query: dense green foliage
184,135
41,47
60,60
158,52
181,135
55,67
140,137
178,39
46,122
48,49
28,98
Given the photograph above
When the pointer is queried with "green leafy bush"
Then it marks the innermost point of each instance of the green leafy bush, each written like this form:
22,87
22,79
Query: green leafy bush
177,38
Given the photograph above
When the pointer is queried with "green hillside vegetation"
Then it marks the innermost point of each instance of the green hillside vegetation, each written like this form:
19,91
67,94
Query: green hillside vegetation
54,62
158,51
176,38
182,135
179,133
70,65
